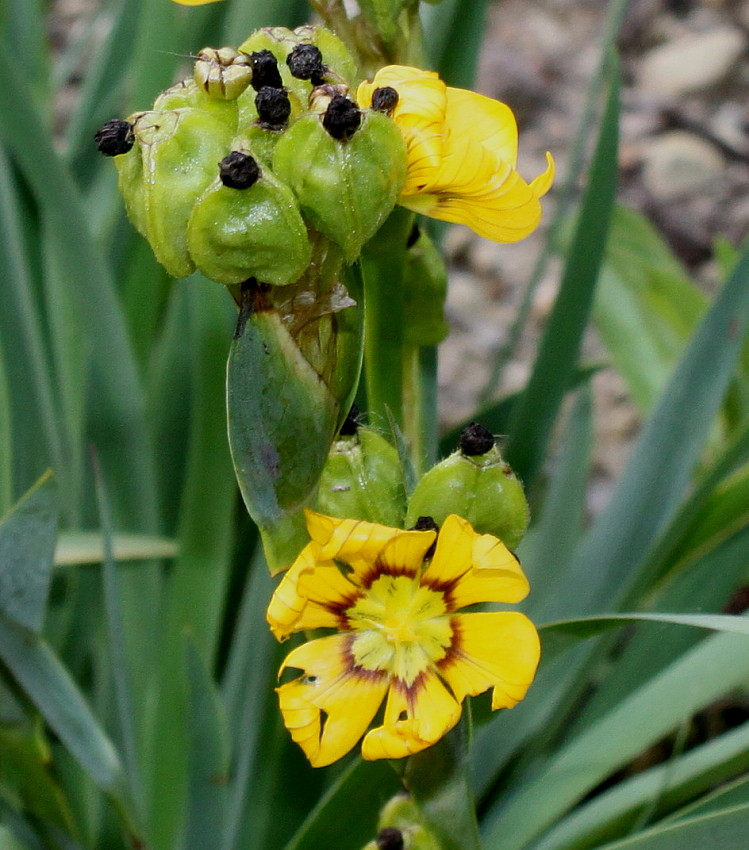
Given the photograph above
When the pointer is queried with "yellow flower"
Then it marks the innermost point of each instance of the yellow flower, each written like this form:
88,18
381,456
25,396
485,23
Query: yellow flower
395,606
462,152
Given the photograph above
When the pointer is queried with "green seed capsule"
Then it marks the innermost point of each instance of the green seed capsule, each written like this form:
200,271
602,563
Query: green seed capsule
170,166
477,484
346,185
247,224
363,479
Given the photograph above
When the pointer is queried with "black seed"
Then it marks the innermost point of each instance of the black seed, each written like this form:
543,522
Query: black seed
475,440
385,99
273,108
351,424
238,170
115,137
342,118
265,71
305,63
425,523
389,838
413,236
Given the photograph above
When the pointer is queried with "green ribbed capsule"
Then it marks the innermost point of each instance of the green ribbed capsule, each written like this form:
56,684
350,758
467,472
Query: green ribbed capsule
363,479
222,74
247,224
475,483
347,180
401,825
174,159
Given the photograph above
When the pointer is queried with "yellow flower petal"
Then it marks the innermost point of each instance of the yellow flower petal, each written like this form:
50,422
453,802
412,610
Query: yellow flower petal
431,712
348,540
496,576
331,684
499,650
419,114
492,124
286,605
453,556
328,593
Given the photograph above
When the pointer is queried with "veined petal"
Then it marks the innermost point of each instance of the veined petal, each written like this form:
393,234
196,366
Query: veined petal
348,540
492,124
332,684
496,576
286,605
431,711
499,650
453,556
419,115
507,209
404,554
328,593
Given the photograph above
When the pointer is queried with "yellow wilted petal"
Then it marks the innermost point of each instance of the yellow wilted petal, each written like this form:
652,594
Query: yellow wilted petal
492,123
540,185
330,684
499,650
419,115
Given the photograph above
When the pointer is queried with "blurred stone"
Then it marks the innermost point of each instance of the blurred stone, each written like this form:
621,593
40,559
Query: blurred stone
678,163
691,63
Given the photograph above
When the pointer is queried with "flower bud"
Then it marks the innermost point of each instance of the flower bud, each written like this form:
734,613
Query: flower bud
247,224
346,183
363,479
293,368
476,484
223,73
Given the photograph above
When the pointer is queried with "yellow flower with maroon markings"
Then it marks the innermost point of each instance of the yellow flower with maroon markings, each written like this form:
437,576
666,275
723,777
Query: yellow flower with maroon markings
394,598
462,151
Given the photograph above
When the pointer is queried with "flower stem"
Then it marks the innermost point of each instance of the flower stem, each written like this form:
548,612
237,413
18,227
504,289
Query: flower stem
382,272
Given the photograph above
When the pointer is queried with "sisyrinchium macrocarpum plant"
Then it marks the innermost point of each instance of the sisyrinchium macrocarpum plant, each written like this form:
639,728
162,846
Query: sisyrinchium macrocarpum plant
299,180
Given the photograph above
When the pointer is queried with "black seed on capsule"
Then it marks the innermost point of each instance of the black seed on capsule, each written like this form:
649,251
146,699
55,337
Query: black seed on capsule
385,99
342,118
273,108
238,170
265,71
115,137
475,440
413,236
425,523
389,838
305,63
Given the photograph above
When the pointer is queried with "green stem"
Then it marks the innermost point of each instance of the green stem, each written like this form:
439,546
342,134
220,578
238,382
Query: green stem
420,404
382,273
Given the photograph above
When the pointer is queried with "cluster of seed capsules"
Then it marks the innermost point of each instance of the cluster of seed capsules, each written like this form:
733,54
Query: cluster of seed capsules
247,168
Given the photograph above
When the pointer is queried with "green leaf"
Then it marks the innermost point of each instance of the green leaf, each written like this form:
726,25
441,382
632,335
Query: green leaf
644,294
615,811
723,830
51,689
6,442
27,545
535,412
734,794
346,817
648,493
659,706
208,757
